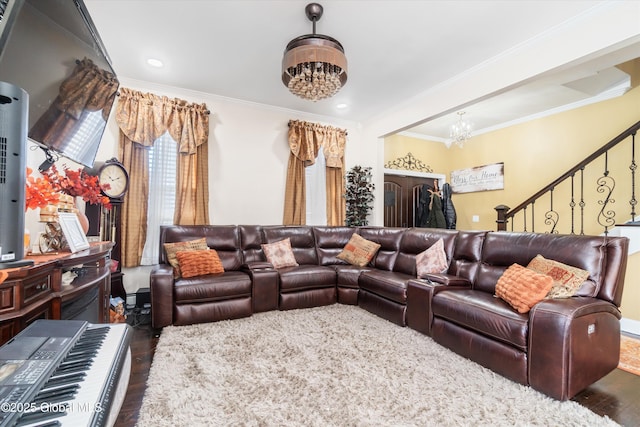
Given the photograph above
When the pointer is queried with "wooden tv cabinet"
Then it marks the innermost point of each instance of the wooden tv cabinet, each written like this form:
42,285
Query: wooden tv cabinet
37,292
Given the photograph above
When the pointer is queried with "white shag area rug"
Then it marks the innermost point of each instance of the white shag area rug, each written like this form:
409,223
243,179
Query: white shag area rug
332,366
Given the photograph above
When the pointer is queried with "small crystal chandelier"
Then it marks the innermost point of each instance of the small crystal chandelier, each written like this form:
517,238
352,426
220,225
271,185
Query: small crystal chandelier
460,131
314,66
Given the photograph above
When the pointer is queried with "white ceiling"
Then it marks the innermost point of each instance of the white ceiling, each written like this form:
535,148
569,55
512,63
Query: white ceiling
395,50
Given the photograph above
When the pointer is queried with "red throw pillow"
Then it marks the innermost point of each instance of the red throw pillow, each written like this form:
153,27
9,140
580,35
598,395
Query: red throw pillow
199,263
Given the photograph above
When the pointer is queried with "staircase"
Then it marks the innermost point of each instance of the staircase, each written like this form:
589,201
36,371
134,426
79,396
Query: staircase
596,196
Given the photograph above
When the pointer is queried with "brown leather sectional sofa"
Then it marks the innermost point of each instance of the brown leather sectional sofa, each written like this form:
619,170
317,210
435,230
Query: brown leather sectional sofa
560,347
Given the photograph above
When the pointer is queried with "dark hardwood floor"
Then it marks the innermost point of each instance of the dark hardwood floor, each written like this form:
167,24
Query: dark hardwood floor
617,395
143,347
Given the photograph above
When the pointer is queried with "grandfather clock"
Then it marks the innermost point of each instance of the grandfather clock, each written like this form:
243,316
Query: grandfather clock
107,223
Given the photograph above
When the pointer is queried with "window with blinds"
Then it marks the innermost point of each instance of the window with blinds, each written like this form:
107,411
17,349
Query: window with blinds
163,158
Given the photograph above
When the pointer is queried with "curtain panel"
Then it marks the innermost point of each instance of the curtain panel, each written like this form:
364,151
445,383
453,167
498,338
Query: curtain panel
305,140
143,118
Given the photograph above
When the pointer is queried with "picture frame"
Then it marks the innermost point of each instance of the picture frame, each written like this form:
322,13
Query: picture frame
72,231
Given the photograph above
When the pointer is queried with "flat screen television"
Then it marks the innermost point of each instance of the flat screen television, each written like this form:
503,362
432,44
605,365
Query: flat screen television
52,50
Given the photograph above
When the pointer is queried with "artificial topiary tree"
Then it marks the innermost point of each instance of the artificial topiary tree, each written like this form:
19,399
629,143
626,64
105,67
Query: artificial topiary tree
359,196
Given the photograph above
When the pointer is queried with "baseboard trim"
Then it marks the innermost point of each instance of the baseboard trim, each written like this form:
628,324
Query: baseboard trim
630,326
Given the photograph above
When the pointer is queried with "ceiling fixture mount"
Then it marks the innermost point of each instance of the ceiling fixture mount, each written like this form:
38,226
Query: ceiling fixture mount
460,131
314,66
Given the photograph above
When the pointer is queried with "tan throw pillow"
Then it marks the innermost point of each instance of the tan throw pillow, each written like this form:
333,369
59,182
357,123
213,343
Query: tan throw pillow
432,260
358,251
190,245
280,254
522,288
199,263
566,279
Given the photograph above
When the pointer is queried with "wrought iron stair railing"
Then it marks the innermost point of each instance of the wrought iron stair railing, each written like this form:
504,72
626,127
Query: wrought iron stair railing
583,211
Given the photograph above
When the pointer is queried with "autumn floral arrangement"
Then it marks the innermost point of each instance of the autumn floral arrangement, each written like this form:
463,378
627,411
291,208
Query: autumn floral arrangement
47,189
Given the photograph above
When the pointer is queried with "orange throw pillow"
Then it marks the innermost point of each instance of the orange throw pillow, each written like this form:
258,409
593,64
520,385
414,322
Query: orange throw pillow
523,288
199,263
191,245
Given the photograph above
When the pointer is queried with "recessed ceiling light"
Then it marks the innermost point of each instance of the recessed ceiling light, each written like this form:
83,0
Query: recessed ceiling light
155,63
342,106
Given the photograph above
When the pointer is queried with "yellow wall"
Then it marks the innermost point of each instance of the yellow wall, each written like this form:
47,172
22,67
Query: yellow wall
631,294
433,154
534,154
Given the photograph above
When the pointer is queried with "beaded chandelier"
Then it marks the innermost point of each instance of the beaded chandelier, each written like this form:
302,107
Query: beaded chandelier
314,66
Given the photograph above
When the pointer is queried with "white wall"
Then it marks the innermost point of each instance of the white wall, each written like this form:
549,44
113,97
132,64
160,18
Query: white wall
248,153
248,156
248,145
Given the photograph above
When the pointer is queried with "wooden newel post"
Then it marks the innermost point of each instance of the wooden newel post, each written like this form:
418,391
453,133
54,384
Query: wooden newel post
502,217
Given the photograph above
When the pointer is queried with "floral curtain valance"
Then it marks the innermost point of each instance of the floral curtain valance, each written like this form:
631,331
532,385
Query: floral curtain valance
144,117
88,88
305,140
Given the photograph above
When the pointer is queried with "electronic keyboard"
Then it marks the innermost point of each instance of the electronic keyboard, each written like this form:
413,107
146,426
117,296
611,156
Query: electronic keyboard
64,373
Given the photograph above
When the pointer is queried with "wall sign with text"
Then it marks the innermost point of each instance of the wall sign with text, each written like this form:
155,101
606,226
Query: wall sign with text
480,178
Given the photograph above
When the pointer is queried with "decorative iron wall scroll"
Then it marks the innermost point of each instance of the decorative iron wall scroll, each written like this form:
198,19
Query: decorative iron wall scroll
408,163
